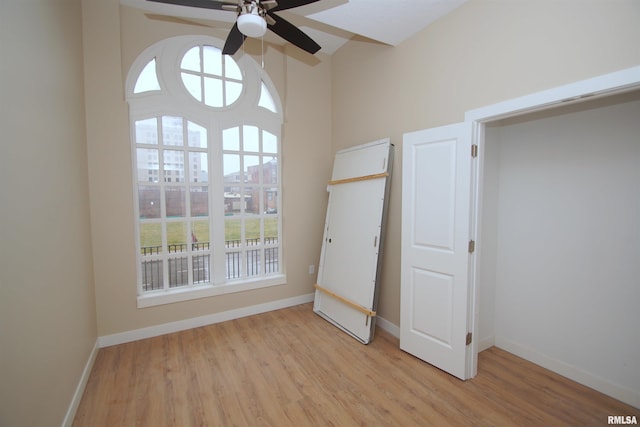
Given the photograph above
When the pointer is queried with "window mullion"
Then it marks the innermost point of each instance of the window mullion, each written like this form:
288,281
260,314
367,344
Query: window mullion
216,207
163,206
165,257
186,182
243,208
262,204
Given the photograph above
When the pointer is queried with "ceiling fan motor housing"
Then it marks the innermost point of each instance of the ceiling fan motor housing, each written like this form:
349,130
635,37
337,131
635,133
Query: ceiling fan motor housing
251,21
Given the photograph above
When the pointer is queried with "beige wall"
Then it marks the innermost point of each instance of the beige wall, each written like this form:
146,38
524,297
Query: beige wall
484,52
114,37
47,305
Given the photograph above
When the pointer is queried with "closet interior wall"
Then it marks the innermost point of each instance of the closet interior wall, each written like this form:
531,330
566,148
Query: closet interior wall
559,249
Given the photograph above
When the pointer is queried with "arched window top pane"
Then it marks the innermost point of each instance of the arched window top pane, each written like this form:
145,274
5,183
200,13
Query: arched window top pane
212,60
213,94
191,59
233,90
231,69
266,100
148,79
211,77
193,85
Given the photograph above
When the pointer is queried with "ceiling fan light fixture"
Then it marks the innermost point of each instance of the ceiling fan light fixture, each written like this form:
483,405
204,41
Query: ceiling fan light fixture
252,25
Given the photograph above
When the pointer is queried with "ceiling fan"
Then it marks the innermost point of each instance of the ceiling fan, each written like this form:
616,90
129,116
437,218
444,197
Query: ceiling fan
254,17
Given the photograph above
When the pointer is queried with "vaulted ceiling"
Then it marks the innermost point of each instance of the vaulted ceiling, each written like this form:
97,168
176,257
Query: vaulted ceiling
331,23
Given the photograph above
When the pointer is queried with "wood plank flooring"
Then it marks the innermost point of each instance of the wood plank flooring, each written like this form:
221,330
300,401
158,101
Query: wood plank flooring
292,368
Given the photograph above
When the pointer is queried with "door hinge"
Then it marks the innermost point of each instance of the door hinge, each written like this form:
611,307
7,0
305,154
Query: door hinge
472,246
469,336
474,150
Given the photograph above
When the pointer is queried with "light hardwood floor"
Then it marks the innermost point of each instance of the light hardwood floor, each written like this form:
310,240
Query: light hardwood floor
292,368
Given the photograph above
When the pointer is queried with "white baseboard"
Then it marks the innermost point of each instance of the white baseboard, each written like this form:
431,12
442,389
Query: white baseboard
77,395
388,326
485,343
196,322
622,393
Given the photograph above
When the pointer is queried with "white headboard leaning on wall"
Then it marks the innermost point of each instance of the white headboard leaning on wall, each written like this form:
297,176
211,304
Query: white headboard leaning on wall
349,270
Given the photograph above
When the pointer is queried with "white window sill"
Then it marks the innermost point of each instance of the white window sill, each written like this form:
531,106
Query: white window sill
161,297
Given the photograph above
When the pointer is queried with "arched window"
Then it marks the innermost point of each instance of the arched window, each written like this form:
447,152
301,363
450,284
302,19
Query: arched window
205,136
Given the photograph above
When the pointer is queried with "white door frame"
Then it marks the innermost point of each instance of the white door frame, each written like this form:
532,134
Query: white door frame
597,87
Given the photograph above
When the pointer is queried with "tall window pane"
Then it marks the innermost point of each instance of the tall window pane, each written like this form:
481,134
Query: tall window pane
172,131
198,167
199,199
147,131
231,139
148,164
149,202
252,169
197,135
250,138
269,142
151,238
175,202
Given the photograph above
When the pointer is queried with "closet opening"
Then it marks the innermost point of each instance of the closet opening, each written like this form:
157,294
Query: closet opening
558,239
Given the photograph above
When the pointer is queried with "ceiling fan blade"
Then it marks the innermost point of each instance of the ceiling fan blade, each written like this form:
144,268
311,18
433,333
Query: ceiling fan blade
290,4
204,4
269,19
292,34
268,4
234,41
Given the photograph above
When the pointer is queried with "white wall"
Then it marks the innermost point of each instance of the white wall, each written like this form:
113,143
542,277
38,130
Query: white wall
561,242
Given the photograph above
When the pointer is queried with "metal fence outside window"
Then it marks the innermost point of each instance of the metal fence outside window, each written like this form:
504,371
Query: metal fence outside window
178,267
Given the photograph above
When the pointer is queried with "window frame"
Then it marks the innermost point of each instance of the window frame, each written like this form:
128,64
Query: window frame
173,99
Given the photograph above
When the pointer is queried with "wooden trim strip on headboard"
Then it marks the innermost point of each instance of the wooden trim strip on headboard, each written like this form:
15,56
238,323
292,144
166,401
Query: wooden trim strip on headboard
359,178
350,303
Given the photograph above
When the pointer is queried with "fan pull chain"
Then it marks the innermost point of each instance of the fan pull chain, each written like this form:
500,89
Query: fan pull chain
262,50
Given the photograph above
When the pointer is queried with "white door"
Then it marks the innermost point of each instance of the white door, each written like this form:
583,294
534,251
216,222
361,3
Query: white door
436,210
